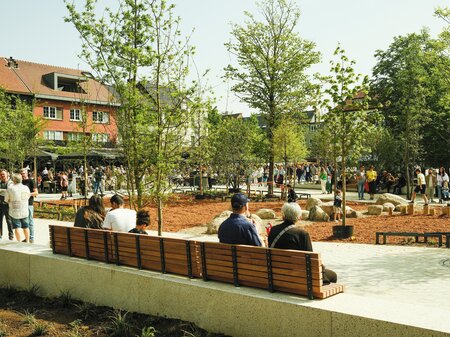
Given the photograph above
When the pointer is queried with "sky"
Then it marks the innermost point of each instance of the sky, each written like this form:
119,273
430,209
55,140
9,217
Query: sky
34,30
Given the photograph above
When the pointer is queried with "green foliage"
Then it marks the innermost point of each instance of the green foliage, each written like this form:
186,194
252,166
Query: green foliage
86,310
40,328
18,129
65,299
409,82
119,324
348,119
28,318
289,142
33,291
272,62
76,329
148,332
139,51
233,143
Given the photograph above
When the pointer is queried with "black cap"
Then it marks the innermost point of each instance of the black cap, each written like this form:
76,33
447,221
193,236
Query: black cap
239,200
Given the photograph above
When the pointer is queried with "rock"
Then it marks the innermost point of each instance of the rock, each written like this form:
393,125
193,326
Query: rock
410,209
317,214
354,214
224,214
266,213
213,226
327,207
403,209
390,198
388,205
311,202
374,209
305,215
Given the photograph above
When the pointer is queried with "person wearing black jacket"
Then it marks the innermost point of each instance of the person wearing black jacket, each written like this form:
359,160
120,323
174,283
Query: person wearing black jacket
288,236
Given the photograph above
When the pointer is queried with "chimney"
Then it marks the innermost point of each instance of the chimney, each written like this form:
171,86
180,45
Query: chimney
11,63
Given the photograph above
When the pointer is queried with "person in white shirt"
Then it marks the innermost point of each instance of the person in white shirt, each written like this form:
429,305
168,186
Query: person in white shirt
119,219
420,187
17,196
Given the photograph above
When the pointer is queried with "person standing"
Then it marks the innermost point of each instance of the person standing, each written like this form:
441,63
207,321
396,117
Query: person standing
31,184
5,182
98,176
360,182
17,196
441,179
420,187
431,181
371,176
64,184
323,180
337,205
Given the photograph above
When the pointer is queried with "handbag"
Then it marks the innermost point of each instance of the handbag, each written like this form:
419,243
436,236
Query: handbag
366,187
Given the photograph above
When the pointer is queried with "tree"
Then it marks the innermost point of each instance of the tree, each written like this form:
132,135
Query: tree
19,129
289,142
234,142
401,83
138,50
348,118
272,62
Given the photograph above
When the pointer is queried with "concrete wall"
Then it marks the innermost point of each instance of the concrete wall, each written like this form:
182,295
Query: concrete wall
213,306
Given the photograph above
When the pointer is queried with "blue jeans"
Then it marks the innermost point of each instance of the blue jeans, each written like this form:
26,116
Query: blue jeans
20,223
97,186
360,190
31,221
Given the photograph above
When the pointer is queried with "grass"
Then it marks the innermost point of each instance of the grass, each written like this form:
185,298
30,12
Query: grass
33,291
40,328
148,332
28,318
119,324
65,299
86,310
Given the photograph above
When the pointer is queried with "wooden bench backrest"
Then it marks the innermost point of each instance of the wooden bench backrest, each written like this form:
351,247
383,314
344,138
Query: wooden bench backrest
290,271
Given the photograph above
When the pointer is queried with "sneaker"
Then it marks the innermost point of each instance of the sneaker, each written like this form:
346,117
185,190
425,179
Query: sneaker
411,202
425,204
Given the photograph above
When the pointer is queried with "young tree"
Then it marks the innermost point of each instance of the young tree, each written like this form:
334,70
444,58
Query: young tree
289,142
138,51
233,143
19,129
348,119
272,60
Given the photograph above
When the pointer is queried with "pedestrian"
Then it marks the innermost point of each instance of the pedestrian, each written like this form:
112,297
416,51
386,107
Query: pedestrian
17,196
27,181
371,177
361,181
337,205
5,182
420,187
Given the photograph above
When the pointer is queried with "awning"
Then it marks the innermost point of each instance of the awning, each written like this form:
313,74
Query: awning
97,153
43,154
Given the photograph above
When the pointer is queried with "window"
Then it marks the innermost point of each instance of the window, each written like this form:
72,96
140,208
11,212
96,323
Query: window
100,117
52,112
53,135
74,136
75,115
100,137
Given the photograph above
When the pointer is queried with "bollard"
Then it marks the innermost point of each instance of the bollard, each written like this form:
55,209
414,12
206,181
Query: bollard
390,211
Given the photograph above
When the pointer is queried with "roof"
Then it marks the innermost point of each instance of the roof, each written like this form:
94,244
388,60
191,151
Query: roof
37,79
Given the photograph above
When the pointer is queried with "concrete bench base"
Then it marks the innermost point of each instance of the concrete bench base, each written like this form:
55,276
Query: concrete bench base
213,306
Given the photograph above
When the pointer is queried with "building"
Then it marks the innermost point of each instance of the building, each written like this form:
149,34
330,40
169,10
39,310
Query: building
62,96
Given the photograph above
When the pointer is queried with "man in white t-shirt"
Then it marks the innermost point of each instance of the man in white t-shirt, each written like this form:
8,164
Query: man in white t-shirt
119,219
420,187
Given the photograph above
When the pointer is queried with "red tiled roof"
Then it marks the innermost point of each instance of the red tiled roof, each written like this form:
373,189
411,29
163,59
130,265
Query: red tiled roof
28,78
10,81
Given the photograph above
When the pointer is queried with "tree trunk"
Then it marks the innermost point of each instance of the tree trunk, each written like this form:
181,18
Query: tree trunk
344,190
270,177
160,214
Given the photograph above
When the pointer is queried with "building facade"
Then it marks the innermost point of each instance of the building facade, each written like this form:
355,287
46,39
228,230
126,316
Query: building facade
71,101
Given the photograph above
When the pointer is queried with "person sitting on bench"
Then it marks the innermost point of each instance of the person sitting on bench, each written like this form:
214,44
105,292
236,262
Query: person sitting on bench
142,222
238,229
119,219
91,216
288,236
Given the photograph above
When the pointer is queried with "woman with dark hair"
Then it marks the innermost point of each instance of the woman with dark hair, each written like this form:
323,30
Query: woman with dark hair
91,216
442,182
142,222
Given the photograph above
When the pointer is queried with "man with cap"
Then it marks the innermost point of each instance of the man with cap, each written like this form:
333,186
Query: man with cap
238,229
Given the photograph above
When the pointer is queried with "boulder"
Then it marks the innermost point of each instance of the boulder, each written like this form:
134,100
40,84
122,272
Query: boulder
266,213
388,206
311,202
327,207
390,198
354,214
305,215
213,226
317,214
375,209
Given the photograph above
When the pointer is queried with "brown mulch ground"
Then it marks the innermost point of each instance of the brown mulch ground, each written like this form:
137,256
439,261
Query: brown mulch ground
183,212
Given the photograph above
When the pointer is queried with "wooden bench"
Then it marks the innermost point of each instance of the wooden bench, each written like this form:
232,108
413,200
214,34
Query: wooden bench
302,195
416,236
289,271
